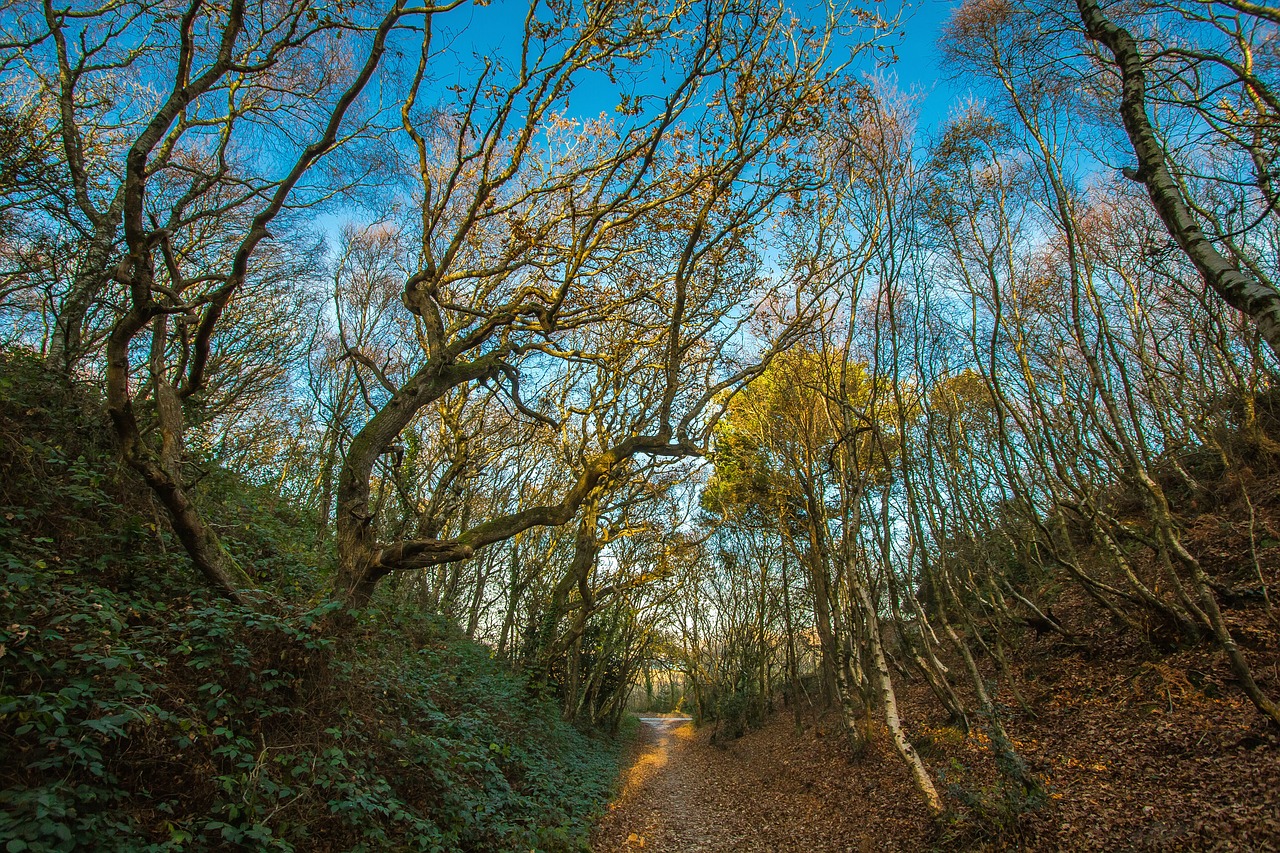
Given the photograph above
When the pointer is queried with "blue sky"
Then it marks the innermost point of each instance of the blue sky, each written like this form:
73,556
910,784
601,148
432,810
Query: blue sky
496,28
919,65
474,31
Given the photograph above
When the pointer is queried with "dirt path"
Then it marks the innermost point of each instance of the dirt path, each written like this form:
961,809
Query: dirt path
671,799
770,791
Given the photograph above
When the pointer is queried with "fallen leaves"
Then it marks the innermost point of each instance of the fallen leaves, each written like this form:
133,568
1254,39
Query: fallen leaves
772,790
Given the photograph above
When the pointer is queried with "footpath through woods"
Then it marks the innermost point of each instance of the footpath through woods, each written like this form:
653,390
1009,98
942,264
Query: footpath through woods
1134,756
771,790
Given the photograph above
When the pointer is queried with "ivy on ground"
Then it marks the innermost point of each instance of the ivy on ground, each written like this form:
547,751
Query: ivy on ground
136,716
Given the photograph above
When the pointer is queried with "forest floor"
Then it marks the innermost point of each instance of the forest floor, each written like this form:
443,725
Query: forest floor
1132,756
771,790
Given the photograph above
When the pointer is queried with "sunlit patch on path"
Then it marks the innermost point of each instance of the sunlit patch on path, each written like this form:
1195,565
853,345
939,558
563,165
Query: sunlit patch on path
657,733
773,791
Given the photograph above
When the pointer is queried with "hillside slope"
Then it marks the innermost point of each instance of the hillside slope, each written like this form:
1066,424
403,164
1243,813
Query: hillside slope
138,715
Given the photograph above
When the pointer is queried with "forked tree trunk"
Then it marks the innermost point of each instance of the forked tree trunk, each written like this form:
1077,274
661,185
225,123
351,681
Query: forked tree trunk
162,472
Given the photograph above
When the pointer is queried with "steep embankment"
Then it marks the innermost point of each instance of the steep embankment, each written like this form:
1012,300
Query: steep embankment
137,714
1138,750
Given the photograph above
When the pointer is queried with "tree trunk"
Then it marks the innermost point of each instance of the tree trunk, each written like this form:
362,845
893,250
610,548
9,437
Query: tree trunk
162,472
1239,290
884,684
360,566
68,331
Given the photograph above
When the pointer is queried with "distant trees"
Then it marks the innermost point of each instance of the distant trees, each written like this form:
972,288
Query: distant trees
1020,368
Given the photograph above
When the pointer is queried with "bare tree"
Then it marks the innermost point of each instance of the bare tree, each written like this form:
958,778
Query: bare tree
528,248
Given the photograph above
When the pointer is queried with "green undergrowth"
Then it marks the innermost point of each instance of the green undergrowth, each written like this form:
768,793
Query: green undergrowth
136,715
